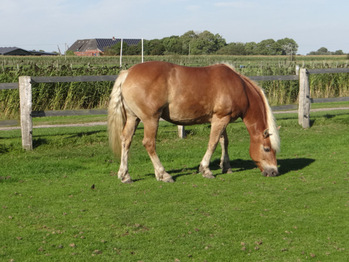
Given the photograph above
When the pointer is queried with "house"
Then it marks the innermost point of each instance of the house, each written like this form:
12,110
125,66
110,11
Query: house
13,51
21,52
96,47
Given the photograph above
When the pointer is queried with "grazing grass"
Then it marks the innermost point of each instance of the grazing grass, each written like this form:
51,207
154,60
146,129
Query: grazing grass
63,202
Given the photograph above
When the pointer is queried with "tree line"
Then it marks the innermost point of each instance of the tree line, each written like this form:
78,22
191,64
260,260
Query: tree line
325,51
206,43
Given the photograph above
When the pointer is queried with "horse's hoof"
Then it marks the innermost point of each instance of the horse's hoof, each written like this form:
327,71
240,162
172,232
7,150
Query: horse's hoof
127,181
168,179
227,171
205,172
209,175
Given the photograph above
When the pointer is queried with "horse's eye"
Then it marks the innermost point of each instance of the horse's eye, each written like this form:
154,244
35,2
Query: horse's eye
266,149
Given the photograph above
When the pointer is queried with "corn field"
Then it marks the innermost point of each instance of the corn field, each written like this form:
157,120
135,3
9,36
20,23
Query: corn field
93,95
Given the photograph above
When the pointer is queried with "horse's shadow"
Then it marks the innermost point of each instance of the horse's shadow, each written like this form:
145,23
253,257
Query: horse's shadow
285,165
293,164
238,165
176,173
81,134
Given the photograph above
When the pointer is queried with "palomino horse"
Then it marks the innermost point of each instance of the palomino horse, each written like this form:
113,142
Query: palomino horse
185,96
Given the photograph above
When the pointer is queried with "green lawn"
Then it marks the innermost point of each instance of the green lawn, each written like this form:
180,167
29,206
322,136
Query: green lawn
63,201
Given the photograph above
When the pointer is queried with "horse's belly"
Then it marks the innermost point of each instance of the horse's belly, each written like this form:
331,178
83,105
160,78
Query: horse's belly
187,114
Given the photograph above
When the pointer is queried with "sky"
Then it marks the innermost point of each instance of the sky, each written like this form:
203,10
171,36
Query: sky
49,25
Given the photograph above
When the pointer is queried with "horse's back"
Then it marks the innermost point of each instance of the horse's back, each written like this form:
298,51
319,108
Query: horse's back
182,95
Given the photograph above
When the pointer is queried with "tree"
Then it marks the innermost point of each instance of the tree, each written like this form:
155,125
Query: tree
173,45
321,51
154,47
206,43
233,49
251,48
133,49
325,51
267,47
186,39
115,49
286,46
126,49
339,52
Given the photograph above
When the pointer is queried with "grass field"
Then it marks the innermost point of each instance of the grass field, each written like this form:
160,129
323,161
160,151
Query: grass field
63,202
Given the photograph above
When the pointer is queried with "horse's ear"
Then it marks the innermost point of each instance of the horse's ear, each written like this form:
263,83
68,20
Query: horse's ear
266,133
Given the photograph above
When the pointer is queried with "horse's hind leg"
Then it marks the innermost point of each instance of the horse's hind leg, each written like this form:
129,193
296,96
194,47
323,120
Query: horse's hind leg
218,126
225,164
150,131
126,139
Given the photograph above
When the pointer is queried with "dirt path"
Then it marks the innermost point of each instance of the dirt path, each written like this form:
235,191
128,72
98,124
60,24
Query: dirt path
105,123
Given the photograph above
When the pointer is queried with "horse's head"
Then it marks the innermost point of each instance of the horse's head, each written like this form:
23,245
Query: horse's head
263,153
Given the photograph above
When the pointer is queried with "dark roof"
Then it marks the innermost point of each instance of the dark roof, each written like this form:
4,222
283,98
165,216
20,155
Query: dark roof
13,51
20,51
99,43
41,53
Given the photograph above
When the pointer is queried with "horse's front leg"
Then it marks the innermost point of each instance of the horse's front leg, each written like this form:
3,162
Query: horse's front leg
225,162
150,130
218,126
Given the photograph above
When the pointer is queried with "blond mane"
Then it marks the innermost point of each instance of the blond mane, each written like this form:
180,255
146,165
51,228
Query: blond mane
273,129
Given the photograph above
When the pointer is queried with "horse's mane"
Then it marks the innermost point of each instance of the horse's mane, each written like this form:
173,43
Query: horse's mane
273,129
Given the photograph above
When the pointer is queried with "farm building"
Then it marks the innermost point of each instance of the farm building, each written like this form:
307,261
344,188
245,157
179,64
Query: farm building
95,47
13,51
21,52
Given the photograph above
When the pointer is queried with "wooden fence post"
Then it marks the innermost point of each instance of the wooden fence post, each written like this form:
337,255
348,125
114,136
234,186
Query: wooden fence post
181,131
25,97
304,99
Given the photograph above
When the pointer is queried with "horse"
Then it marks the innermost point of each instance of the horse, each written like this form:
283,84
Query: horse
215,94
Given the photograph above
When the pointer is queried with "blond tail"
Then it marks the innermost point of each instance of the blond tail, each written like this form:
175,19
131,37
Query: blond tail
116,114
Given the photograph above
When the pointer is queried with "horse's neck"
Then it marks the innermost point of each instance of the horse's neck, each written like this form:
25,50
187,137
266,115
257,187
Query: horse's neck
255,117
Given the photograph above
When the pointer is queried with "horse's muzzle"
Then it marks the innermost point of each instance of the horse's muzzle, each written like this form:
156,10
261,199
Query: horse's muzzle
270,172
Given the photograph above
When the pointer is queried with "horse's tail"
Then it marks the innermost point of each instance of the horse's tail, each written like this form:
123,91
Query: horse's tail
116,114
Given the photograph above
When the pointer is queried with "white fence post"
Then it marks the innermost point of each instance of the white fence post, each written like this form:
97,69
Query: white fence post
142,50
304,99
181,131
122,42
25,97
